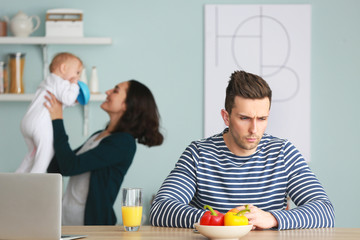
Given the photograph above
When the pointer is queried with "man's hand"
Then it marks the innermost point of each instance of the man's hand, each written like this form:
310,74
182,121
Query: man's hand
259,218
54,106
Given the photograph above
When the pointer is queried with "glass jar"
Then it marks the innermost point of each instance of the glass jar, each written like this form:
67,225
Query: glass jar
2,77
16,70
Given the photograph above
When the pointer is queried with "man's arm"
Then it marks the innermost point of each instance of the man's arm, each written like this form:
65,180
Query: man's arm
170,207
314,209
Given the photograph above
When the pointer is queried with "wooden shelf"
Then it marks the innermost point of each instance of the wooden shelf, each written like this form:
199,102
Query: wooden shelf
56,40
11,97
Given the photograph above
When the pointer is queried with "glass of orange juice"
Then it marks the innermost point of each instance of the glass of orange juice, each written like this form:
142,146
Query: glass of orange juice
131,208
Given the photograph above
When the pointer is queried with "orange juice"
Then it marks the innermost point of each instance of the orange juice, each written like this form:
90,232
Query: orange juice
131,215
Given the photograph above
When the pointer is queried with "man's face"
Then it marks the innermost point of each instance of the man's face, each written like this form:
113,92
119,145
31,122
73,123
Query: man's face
247,123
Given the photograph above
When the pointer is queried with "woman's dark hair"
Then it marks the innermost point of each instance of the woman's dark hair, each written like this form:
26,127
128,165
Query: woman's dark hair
246,85
141,118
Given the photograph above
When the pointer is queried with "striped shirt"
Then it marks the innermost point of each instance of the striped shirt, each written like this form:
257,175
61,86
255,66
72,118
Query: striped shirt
208,173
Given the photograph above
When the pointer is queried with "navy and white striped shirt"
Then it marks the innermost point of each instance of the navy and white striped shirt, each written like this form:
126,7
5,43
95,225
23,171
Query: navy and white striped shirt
208,173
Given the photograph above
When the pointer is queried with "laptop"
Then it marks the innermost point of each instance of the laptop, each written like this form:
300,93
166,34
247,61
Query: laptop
30,206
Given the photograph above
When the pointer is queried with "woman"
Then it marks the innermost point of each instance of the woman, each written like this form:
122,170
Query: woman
97,168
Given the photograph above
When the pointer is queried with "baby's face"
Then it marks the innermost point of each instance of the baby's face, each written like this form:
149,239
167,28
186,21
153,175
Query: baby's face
74,68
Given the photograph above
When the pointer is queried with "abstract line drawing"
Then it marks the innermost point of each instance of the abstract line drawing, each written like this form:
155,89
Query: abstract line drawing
272,41
238,34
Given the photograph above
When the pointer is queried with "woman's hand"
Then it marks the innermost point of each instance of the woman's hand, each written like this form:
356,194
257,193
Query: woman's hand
259,218
54,106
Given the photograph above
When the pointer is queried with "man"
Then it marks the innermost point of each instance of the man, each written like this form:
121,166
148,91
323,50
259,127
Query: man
243,165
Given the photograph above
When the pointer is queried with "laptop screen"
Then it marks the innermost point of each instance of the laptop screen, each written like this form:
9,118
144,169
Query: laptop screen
30,206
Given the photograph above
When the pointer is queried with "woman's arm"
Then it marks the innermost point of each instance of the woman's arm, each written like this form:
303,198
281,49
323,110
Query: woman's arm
54,106
116,149
53,166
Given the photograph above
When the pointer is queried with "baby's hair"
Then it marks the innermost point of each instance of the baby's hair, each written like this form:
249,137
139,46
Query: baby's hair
61,58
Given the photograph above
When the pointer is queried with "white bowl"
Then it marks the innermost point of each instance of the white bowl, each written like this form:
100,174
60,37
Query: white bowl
223,232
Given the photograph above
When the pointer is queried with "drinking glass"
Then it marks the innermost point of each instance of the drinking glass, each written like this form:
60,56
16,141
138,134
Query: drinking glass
131,208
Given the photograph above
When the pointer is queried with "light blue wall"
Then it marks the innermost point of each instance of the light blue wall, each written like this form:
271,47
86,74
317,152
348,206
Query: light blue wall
160,43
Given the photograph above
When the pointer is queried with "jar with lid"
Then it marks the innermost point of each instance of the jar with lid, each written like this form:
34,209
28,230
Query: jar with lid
16,69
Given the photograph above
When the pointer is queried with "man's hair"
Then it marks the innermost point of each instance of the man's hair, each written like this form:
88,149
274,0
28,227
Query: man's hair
61,58
245,85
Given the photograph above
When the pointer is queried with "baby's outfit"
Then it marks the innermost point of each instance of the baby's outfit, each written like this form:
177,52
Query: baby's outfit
36,126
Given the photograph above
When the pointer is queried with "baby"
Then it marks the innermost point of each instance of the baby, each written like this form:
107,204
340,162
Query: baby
36,126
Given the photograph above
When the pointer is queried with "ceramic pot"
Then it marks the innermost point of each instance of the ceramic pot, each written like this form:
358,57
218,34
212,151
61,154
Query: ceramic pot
21,25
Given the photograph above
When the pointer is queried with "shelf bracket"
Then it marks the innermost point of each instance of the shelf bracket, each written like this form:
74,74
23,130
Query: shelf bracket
44,48
86,120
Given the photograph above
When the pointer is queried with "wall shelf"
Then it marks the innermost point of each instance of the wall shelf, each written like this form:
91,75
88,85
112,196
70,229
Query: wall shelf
56,40
27,97
45,41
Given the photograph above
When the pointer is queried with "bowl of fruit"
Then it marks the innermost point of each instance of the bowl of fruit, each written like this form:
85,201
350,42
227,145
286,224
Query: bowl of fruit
232,225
